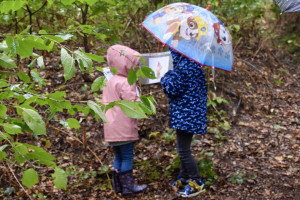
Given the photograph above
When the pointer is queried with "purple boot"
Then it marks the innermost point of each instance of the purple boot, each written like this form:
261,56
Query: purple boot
127,184
115,182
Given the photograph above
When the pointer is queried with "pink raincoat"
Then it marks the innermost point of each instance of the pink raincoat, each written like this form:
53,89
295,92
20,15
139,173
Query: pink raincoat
120,127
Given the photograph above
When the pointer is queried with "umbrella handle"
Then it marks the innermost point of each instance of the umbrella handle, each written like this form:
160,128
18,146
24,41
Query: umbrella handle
213,74
208,7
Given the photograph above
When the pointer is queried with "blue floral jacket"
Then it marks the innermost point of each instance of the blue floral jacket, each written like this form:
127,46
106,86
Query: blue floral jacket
186,88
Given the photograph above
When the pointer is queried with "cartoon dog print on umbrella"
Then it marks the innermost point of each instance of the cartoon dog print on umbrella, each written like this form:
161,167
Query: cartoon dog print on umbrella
221,34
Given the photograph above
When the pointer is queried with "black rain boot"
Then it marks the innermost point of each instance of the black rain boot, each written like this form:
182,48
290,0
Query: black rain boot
127,183
115,182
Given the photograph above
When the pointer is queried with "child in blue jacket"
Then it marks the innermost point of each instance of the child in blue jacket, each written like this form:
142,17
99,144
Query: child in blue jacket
186,89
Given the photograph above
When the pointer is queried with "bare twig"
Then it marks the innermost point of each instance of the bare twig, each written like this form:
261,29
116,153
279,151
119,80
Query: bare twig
250,64
18,182
130,20
237,43
237,107
260,46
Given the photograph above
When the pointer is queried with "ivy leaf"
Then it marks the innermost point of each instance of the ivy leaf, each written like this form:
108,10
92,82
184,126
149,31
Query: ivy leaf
131,78
34,121
60,178
6,61
73,123
97,109
68,64
30,178
131,109
98,83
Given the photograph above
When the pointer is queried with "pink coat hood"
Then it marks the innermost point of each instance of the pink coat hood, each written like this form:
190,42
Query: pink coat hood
120,127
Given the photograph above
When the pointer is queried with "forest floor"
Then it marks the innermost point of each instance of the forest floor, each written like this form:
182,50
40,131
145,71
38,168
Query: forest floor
258,159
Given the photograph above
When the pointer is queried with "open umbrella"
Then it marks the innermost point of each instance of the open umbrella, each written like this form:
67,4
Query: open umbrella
194,32
288,5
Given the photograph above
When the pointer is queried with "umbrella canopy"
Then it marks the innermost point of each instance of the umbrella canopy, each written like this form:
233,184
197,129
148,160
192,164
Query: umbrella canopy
288,5
194,32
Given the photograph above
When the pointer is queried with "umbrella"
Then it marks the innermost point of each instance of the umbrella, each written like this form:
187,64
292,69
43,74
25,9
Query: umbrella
194,32
288,5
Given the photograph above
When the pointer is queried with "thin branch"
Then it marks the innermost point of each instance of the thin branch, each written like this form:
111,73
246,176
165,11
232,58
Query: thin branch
44,97
19,182
250,64
44,4
130,20
5,86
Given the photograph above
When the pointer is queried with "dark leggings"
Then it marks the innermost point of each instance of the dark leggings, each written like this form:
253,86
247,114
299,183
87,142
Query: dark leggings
188,165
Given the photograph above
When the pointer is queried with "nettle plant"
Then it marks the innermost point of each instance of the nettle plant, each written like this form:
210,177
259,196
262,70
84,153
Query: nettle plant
26,109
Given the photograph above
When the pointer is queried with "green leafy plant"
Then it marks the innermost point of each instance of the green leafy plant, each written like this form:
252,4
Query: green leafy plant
166,137
277,79
217,117
150,168
175,165
238,178
26,109
205,167
169,136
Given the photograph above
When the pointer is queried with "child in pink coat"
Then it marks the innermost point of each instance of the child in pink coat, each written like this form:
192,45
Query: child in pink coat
121,131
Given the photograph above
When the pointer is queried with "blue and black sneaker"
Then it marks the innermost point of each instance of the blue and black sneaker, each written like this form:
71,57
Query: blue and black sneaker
179,184
194,187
